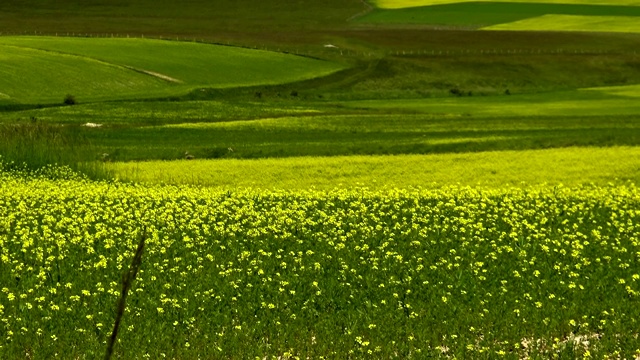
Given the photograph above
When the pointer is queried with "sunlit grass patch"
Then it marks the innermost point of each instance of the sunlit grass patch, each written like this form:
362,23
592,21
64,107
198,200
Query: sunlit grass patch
572,23
398,4
570,166
632,91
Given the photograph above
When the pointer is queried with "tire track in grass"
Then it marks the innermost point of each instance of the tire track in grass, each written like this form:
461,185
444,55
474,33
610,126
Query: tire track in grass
154,74
107,63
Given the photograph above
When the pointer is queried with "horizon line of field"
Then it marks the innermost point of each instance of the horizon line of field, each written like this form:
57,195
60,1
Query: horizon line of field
334,50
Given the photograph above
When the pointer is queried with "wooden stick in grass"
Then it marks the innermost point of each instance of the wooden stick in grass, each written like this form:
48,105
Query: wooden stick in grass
127,280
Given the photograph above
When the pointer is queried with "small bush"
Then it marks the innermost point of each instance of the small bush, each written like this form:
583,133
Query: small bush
456,92
70,100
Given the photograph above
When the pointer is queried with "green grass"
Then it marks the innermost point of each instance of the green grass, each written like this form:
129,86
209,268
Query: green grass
35,76
569,166
479,14
396,4
572,23
290,128
90,68
490,70
35,146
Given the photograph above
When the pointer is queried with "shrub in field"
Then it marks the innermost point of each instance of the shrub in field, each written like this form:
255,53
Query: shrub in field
70,100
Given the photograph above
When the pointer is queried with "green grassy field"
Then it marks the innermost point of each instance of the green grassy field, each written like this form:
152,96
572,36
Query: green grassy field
568,166
357,135
44,69
288,128
36,76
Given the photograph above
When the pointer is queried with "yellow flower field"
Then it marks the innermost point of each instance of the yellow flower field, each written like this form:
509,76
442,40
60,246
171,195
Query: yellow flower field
399,273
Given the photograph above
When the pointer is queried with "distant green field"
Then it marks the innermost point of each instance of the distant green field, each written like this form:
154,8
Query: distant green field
44,69
478,14
570,166
397,4
572,23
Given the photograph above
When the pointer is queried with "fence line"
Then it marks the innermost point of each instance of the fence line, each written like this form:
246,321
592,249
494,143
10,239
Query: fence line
335,51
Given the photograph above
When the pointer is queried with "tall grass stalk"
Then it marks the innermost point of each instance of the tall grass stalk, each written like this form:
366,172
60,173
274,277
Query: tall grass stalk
33,146
127,281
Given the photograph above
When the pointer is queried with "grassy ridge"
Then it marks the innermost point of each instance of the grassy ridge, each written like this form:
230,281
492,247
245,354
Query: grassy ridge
490,70
570,167
478,14
141,67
